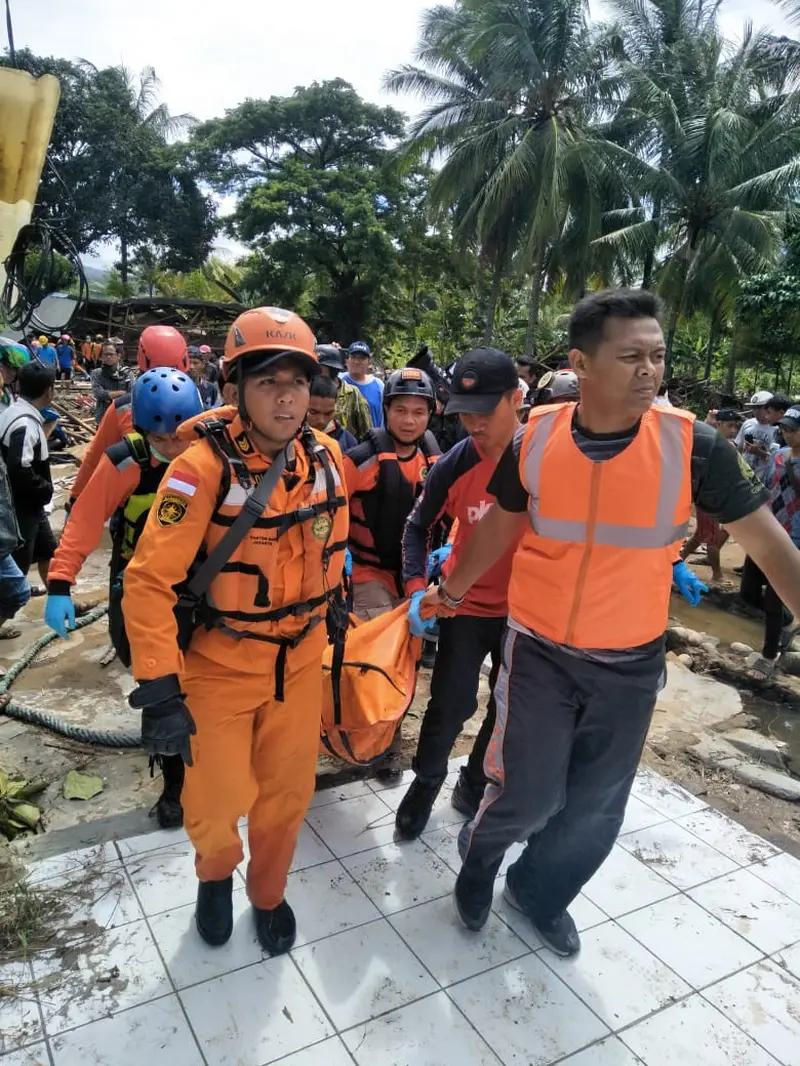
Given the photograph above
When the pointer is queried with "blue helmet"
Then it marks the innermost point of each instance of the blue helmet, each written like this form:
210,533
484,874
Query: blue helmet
163,398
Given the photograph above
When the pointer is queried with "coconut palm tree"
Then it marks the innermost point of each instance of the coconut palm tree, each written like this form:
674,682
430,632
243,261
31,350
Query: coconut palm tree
514,87
715,187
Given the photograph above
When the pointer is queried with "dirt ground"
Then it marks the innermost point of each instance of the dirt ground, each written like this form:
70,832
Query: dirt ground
68,679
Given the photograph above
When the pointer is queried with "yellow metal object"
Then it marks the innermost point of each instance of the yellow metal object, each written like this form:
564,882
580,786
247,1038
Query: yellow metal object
27,112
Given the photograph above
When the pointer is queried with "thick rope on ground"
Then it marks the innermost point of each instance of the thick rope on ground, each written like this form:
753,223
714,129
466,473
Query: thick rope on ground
102,738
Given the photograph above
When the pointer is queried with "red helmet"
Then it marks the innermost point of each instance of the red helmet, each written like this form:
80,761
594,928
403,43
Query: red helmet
162,346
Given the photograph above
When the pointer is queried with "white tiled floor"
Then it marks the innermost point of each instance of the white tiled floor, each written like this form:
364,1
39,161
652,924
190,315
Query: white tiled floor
691,954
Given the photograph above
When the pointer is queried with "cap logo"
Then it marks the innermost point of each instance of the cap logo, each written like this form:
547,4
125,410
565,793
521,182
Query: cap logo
238,339
469,380
279,314
411,374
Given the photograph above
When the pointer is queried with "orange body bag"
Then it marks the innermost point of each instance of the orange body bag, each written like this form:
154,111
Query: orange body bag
368,686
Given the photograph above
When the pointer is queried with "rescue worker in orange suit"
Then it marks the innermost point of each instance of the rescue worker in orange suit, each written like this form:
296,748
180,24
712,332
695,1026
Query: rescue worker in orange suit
485,394
122,488
384,475
597,497
242,703
159,346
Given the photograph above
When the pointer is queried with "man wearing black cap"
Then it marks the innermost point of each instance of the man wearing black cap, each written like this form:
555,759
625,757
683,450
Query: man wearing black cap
596,497
485,394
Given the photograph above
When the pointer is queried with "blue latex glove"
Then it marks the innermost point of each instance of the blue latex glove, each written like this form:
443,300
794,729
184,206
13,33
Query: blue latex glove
437,559
420,627
59,614
687,583
348,563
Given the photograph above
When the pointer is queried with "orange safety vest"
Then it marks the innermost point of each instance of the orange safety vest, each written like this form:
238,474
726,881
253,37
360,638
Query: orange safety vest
594,570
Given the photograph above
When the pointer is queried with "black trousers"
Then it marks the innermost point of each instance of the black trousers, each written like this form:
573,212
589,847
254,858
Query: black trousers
561,763
757,592
464,642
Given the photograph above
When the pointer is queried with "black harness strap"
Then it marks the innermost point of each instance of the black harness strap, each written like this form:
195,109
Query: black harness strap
194,597
254,507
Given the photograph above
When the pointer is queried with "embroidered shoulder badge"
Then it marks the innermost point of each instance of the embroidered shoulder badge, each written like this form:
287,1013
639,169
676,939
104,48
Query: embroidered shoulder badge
171,510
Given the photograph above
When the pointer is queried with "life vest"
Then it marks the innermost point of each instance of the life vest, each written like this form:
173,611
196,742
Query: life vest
377,517
128,522
239,598
594,569
368,685
126,527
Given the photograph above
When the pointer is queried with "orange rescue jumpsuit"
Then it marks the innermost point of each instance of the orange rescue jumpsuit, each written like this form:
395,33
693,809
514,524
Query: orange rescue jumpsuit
108,489
254,752
115,424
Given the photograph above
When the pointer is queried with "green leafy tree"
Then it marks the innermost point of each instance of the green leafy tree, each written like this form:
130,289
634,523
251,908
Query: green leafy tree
319,201
114,172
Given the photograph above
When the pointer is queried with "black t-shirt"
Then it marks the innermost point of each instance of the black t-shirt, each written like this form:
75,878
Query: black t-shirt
722,484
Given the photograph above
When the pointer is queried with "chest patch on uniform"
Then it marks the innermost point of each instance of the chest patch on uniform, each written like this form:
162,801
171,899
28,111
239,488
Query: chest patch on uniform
321,527
171,509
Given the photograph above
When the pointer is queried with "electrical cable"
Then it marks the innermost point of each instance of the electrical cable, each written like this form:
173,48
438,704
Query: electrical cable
33,270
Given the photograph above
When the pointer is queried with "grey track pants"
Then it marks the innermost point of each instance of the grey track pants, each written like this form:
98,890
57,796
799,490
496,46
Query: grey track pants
560,765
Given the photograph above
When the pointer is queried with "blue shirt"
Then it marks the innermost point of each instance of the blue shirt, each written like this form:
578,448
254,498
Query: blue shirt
64,353
372,391
47,355
343,437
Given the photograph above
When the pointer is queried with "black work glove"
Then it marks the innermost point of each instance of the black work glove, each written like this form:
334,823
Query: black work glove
167,724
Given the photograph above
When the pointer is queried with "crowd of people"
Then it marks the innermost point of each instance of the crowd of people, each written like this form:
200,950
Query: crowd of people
536,522
767,437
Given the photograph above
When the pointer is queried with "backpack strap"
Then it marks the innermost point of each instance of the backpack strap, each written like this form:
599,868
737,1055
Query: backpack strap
132,448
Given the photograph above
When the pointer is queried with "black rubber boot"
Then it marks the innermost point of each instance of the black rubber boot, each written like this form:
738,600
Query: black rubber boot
169,811
415,807
214,913
389,769
466,797
428,660
276,929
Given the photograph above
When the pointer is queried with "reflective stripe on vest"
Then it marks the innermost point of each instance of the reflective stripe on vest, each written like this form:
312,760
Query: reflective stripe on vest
663,533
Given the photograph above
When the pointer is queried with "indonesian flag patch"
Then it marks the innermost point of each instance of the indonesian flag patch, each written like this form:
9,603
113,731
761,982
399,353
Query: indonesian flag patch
183,482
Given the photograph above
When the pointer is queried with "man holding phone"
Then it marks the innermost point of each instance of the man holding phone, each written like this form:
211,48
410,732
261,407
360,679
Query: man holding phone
756,438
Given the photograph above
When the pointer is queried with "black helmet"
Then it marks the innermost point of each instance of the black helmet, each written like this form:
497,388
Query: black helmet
331,356
409,382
